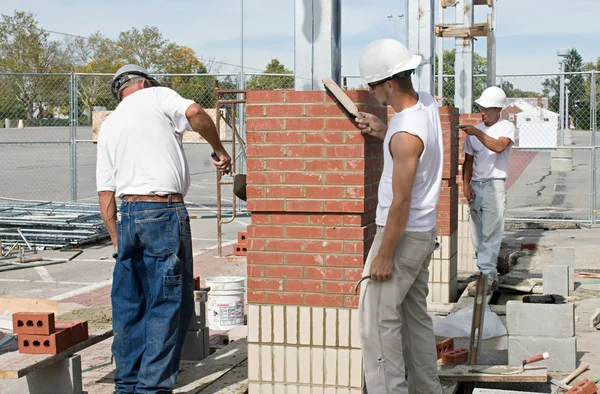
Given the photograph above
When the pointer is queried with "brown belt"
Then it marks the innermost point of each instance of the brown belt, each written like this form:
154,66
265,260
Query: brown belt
155,198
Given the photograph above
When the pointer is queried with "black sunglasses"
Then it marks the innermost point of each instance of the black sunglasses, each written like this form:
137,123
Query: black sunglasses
373,85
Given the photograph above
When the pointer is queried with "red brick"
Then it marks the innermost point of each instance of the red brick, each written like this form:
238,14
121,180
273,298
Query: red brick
344,261
339,288
284,164
285,245
284,191
304,178
455,357
265,231
586,386
352,220
44,344
256,270
324,246
254,164
308,286
324,192
304,206
285,298
304,124
34,323
264,96
240,249
326,220
255,191
324,165
196,283
354,137
324,138
303,259
264,258
345,179
324,300
344,206
284,138
262,178
354,247
256,244
242,236
264,151
264,284
285,272
255,110
288,219
353,274
324,110
528,246
78,330
309,96
355,165
355,192
303,232
304,151
344,151
339,124
443,346
255,137
256,296
285,110
351,301
356,233
265,205
324,273
258,124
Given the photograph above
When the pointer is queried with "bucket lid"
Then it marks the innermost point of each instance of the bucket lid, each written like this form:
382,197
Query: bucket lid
225,279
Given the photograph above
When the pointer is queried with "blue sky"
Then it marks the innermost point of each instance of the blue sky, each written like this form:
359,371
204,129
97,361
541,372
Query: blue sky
529,31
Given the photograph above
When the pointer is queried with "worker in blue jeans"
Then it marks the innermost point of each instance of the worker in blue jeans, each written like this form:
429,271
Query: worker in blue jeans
140,159
487,150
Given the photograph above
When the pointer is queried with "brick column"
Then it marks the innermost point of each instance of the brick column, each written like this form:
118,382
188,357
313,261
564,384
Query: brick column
466,254
312,190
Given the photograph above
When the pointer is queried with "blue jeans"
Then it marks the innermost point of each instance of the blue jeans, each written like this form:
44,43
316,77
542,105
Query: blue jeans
487,224
152,295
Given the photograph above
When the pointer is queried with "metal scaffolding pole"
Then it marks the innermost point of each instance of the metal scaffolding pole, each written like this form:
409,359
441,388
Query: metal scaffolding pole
463,63
421,40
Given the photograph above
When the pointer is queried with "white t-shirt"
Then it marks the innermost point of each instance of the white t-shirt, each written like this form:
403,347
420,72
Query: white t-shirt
486,163
423,121
140,149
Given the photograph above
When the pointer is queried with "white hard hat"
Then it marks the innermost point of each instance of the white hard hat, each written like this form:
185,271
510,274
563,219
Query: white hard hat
128,72
385,58
492,97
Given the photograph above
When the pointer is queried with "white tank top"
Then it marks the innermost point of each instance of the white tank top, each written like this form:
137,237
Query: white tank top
423,121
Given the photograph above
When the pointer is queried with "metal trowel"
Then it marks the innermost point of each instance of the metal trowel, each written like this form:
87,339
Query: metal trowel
508,369
239,182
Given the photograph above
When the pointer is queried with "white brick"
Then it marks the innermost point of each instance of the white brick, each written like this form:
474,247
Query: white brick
445,271
343,367
266,363
265,324
304,365
356,391
331,327
330,365
253,362
354,334
317,390
278,324
344,327
343,391
291,389
305,325
253,388
305,390
253,323
291,364
278,388
436,266
267,388
317,326
278,364
356,369
317,365
291,325
330,390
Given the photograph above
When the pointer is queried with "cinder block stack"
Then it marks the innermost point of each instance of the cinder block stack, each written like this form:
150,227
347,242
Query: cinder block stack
196,345
539,328
241,247
40,333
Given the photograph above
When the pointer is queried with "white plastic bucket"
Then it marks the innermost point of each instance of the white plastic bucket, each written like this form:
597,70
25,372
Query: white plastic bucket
225,305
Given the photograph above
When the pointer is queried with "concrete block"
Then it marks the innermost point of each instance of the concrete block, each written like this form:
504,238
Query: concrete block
595,319
196,345
563,351
562,154
561,165
556,279
524,319
63,376
565,256
198,321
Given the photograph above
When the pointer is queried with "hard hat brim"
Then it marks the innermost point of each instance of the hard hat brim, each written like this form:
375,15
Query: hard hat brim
414,62
485,104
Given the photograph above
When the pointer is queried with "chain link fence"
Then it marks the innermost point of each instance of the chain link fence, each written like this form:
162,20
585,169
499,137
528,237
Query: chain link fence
51,121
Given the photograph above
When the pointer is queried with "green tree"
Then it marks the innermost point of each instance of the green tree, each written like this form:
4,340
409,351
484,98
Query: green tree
511,91
479,68
271,82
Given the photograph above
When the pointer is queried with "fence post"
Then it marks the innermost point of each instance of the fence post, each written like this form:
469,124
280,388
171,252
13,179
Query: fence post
73,115
593,205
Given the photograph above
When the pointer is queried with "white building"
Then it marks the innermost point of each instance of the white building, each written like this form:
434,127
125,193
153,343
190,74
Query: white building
537,128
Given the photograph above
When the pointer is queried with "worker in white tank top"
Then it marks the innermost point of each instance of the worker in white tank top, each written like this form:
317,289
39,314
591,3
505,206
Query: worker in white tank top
395,330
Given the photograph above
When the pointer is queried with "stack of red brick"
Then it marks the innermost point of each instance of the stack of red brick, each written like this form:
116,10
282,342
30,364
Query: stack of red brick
39,333
241,247
449,355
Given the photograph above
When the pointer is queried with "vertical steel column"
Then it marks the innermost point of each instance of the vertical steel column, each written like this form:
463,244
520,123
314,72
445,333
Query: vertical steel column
593,183
421,40
491,46
463,63
73,115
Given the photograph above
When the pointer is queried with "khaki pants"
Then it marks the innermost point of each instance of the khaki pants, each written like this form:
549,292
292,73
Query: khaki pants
396,333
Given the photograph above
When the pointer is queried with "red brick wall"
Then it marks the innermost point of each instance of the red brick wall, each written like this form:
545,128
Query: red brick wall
447,208
472,119
312,190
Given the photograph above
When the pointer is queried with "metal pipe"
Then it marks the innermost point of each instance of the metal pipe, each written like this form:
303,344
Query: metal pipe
14,265
593,205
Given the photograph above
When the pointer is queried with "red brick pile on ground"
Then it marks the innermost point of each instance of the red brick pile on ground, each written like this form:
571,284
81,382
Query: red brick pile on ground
241,247
449,355
40,333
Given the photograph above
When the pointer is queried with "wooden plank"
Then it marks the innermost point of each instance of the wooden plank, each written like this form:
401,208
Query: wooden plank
462,373
14,365
236,259
20,304
483,2
477,30
518,284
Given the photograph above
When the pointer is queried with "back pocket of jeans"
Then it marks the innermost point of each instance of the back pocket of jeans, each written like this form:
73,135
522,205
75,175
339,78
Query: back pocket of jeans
155,235
172,286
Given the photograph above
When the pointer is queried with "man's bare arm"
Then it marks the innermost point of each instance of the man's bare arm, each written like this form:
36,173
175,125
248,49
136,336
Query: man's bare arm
495,145
108,212
203,124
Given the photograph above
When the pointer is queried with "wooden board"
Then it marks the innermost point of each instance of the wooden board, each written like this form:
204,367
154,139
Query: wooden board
19,304
518,284
14,365
448,30
461,373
